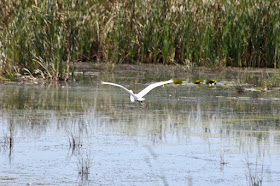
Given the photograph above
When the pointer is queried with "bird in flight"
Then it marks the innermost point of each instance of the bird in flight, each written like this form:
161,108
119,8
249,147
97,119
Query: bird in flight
139,97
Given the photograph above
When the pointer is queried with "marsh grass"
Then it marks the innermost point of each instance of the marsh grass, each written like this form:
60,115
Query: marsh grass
74,143
222,157
84,164
272,81
84,159
5,143
47,37
260,78
254,176
239,89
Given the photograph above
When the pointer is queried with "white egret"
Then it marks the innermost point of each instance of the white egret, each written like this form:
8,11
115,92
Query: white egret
139,97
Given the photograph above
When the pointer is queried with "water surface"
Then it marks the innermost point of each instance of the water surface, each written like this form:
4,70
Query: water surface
84,133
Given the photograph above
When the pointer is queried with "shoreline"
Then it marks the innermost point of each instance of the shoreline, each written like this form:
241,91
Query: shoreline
256,78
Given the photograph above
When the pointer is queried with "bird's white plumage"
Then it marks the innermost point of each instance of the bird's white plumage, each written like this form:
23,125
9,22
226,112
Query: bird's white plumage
117,85
140,95
152,86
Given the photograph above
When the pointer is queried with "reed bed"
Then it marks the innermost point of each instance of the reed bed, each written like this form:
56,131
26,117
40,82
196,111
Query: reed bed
45,37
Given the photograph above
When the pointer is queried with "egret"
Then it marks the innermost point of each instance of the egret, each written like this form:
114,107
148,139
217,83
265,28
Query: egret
139,97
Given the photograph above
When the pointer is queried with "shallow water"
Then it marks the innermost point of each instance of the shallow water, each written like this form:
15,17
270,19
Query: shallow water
88,134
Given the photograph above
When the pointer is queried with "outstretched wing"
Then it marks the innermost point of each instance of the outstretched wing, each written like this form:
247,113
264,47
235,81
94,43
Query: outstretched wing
117,85
152,86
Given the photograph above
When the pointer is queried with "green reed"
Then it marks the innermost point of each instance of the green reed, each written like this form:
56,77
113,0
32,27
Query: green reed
46,37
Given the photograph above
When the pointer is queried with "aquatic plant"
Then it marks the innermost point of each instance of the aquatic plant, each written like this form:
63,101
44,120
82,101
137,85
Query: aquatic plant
254,177
74,143
178,81
270,82
84,163
47,37
239,89
222,157
5,143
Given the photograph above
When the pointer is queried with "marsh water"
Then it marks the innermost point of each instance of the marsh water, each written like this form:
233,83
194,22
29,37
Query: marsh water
82,133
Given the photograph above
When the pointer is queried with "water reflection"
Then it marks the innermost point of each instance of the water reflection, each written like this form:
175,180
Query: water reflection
7,142
86,127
